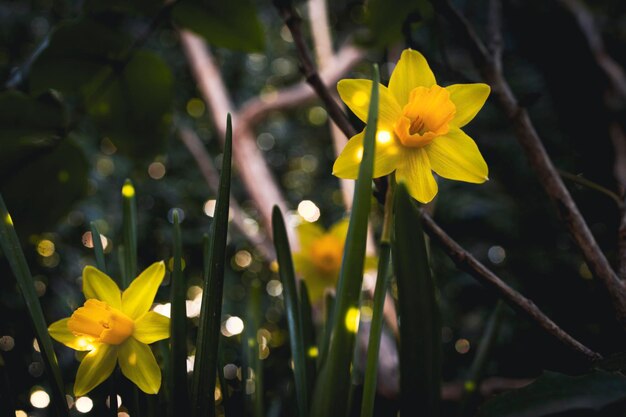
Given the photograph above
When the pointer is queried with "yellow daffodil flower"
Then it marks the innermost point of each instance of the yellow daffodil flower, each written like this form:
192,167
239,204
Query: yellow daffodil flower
116,327
419,128
319,259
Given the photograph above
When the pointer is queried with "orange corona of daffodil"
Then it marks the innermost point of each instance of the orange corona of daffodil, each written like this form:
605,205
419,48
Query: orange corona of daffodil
419,128
116,327
320,256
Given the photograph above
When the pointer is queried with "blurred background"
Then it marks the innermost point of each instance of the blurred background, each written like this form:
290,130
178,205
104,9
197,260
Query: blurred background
94,92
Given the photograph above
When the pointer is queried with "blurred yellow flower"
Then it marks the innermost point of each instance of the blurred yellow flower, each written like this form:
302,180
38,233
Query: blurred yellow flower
419,128
115,326
319,259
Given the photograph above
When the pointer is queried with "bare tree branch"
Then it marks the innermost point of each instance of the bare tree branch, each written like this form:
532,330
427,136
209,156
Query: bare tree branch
466,262
293,20
539,160
252,168
255,109
195,146
323,47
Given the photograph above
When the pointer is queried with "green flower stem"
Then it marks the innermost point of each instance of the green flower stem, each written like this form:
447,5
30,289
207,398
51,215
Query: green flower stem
333,385
329,306
179,398
130,233
12,249
308,335
205,369
382,279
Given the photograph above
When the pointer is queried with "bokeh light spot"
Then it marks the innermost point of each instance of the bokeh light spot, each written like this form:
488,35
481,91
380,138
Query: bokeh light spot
84,404
195,107
308,211
39,398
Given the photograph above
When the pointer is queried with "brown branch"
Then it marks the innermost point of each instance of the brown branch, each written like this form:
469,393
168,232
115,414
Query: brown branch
466,262
195,146
255,109
547,174
293,20
252,168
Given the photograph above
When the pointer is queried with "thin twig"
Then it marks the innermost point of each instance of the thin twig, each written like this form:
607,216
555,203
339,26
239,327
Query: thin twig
293,20
323,48
592,185
466,262
539,160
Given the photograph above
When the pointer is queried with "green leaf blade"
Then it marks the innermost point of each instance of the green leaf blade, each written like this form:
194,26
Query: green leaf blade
10,245
205,369
554,393
294,321
179,401
333,385
420,329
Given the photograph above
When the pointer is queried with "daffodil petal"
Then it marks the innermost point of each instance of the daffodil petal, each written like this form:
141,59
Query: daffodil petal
307,234
417,175
139,365
455,156
340,229
98,285
316,282
152,327
139,295
411,71
356,95
468,99
61,333
95,367
386,156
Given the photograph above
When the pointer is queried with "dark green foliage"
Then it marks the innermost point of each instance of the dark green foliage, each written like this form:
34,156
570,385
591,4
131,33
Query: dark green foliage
228,24
556,393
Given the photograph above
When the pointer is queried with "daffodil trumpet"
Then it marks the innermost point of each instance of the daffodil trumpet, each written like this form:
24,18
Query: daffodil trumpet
116,327
319,260
419,128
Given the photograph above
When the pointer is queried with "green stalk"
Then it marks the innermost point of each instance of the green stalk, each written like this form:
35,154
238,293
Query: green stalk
97,247
205,369
332,387
12,249
420,322
329,305
130,233
477,370
294,321
251,346
382,279
179,399
308,336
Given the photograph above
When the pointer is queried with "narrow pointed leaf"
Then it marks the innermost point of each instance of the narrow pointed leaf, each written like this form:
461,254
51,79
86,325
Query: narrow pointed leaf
179,399
308,335
333,385
477,370
10,245
130,233
205,368
97,247
555,393
420,323
373,347
296,340
329,306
